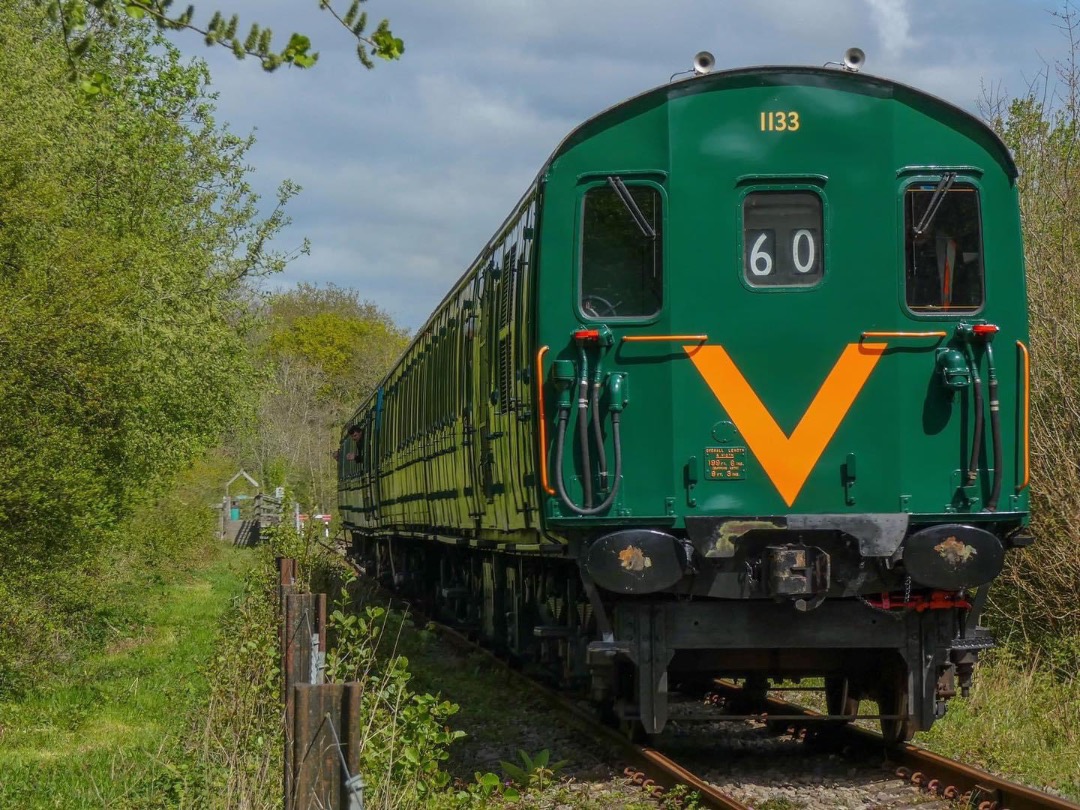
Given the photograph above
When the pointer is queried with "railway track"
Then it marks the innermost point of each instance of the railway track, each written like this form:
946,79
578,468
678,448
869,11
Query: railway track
835,765
903,777
941,776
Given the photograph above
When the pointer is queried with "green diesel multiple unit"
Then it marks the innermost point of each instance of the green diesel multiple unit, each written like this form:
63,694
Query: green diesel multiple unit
740,388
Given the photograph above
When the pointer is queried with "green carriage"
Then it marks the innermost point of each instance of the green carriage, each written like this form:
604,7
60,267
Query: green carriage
739,388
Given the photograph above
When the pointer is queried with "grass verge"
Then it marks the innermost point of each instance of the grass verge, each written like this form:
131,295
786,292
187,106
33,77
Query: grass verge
107,731
1020,721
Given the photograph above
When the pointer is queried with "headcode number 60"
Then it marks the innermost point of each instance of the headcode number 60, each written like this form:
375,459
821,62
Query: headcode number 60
803,253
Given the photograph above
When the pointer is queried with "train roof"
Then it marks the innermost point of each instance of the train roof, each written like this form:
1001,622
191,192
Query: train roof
851,81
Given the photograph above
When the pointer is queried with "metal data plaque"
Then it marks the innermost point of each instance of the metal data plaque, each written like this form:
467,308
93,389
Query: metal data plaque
725,463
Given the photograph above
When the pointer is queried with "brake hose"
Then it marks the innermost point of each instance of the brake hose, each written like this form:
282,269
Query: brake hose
594,407
995,428
583,429
976,439
560,485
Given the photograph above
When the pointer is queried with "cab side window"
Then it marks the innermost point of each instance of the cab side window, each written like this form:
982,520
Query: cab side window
943,249
621,251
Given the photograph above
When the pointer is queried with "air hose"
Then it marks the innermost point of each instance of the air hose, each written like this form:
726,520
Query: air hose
976,439
591,401
560,485
995,425
583,432
986,332
594,407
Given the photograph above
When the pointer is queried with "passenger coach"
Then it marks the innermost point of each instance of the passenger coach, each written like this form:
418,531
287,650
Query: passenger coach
739,388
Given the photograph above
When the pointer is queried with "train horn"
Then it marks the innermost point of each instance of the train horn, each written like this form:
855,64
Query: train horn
704,62
854,59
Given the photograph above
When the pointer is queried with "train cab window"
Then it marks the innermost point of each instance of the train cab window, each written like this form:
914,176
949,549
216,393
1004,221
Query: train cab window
621,251
782,239
943,247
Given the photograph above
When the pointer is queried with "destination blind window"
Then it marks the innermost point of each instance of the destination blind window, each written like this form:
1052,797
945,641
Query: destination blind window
782,239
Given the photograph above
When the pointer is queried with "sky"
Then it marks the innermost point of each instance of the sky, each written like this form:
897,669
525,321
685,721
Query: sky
407,169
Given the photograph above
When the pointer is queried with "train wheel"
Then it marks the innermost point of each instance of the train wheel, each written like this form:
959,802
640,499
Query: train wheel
893,699
839,699
633,730
751,698
619,709
614,714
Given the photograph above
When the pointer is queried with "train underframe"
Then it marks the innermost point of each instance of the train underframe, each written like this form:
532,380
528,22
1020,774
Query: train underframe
630,651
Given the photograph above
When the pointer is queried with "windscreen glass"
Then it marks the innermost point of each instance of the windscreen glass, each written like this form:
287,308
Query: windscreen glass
943,252
621,252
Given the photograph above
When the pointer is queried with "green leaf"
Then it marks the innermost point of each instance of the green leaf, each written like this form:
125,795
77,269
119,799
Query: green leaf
352,14
297,51
515,773
135,10
252,38
387,46
82,45
95,84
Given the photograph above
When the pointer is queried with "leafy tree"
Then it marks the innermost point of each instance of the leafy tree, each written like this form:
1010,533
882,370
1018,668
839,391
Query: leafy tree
128,240
1038,606
324,348
80,23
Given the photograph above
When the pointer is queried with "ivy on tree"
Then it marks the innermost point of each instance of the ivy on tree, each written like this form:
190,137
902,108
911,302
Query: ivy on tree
81,22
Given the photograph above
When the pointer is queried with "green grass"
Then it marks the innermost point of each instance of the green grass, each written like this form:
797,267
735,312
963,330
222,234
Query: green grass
106,732
1020,721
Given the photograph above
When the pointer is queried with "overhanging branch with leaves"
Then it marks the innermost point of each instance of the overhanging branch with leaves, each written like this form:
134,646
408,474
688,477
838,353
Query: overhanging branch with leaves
80,21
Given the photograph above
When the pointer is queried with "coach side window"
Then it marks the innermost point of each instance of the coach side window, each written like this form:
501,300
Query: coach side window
943,250
782,239
622,251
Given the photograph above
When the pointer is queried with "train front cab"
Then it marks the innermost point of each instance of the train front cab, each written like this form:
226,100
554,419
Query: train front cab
798,305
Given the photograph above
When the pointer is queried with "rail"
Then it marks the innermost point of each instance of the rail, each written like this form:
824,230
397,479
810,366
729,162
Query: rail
649,769
934,773
655,772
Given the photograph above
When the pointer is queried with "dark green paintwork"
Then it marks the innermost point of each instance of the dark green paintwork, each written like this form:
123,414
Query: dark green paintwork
700,142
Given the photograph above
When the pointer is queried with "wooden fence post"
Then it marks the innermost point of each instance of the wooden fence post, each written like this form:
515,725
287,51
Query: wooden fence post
318,642
300,638
286,577
327,745
321,721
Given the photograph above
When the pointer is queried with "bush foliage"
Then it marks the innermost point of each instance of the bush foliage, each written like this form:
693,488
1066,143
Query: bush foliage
1035,604
322,350
128,238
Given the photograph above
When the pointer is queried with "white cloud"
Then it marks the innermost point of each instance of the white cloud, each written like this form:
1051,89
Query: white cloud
893,25
408,169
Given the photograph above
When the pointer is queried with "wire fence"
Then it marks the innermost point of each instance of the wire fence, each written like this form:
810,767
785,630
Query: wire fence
321,720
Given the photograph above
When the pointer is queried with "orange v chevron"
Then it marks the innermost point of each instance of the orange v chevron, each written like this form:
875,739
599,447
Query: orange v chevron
787,460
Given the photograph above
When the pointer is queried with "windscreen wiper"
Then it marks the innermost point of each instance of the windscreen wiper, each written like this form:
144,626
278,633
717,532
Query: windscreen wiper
947,180
631,206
